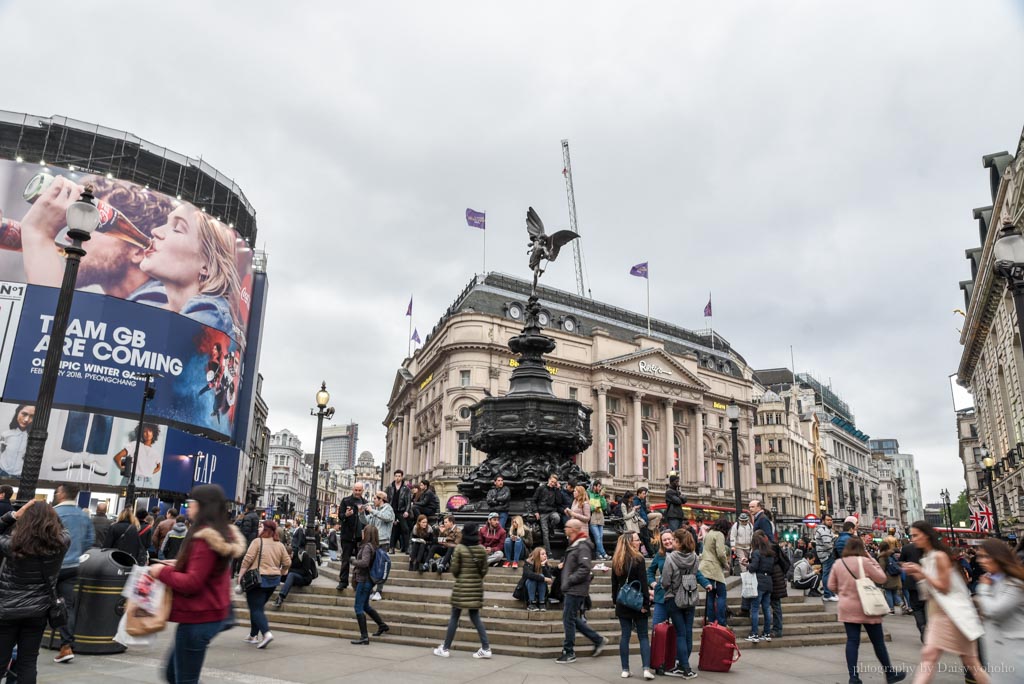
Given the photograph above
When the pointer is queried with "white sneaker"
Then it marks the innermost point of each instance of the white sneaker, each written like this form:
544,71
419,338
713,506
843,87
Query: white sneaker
483,653
626,674
441,651
251,640
375,596
648,674
267,638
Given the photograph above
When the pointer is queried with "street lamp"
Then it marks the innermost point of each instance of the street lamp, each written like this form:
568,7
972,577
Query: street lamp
148,393
732,412
851,505
944,495
82,219
989,463
321,411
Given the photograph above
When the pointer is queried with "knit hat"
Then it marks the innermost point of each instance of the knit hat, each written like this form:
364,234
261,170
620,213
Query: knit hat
470,534
744,517
492,515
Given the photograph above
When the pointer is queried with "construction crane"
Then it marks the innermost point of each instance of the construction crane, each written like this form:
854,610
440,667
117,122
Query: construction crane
577,255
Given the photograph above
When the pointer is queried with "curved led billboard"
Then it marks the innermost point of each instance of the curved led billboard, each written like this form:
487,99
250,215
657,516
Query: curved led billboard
164,288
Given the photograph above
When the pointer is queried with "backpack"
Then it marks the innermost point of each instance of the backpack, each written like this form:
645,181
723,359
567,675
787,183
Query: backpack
381,567
892,568
686,594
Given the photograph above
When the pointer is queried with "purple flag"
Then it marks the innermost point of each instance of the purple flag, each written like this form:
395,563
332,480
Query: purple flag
416,336
408,312
476,219
707,309
639,270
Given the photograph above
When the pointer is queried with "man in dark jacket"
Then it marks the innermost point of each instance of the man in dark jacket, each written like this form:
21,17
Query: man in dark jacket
498,498
351,531
250,526
674,501
761,521
849,529
576,577
302,573
547,504
400,499
911,554
101,524
428,504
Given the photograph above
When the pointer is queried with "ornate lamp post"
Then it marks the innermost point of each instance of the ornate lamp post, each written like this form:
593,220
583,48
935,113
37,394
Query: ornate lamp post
732,412
148,393
82,220
989,463
321,411
944,495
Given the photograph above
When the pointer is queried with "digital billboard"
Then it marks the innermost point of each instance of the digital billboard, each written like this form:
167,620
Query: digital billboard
92,449
164,288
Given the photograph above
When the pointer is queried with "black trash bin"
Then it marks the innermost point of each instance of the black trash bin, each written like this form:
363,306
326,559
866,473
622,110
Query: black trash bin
98,602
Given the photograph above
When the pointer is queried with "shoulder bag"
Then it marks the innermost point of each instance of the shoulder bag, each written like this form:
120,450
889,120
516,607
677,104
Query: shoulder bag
251,579
872,599
57,613
630,595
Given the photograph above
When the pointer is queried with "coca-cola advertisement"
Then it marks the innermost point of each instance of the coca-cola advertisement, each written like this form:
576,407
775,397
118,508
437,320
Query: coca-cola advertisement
149,248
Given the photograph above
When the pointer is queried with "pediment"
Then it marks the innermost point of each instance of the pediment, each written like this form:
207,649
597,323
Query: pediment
654,365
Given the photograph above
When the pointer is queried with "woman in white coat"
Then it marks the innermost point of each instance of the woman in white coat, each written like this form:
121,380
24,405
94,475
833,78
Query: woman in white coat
1001,601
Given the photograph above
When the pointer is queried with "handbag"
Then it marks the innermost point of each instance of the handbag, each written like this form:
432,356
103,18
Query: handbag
749,588
872,599
251,578
57,613
140,622
630,597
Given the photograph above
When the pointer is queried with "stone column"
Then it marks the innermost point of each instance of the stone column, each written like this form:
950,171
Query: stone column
668,427
398,452
635,423
410,448
698,453
601,443
751,465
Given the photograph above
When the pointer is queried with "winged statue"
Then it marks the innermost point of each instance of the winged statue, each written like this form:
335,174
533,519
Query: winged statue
543,247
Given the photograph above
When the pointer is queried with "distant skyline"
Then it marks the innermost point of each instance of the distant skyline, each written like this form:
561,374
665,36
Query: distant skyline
814,165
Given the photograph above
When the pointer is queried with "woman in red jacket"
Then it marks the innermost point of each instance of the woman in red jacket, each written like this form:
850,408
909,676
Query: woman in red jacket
200,581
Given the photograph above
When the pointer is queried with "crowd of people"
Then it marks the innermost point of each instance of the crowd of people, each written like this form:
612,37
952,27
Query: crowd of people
965,602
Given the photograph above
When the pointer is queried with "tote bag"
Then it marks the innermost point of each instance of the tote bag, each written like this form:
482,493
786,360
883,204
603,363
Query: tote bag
872,599
749,588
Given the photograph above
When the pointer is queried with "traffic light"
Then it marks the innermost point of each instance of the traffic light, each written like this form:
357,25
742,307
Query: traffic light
126,466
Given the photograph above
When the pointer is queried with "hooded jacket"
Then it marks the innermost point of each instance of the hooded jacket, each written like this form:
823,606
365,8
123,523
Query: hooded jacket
202,590
678,564
25,582
173,539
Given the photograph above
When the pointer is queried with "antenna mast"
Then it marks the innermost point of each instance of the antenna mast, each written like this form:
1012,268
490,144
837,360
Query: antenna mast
577,256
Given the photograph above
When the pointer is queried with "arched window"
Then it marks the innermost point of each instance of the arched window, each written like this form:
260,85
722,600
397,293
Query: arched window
645,453
613,444
675,453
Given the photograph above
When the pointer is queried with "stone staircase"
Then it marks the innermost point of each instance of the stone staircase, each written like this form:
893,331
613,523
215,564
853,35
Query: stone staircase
415,606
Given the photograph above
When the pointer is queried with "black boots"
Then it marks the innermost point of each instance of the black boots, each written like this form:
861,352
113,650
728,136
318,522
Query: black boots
278,601
363,640
381,629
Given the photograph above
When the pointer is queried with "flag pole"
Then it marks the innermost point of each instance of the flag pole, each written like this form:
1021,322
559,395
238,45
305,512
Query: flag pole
712,317
485,248
648,279
408,353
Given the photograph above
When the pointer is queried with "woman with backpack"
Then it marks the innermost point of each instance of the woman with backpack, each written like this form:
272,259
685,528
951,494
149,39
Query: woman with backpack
681,581
469,567
124,535
842,581
361,566
762,560
714,561
272,560
629,573
892,586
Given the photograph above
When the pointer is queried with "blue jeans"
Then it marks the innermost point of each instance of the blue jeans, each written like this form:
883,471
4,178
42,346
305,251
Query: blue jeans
453,624
293,579
777,617
682,620
536,590
893,597
674,524
503,519
906,588
571,607
513,550
877,637
718,605
597,536
763,604
659,614
185,661
826,568
639,625
257,599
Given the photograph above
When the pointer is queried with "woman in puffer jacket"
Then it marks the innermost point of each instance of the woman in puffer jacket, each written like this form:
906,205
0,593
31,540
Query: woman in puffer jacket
469,566
32,547
779,571
762,560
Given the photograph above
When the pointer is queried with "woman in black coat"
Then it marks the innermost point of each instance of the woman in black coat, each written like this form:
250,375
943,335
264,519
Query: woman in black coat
32,546
124,535
628,569
779,591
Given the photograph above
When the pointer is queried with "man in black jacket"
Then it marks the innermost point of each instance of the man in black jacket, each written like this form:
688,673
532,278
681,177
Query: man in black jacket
250,526
301,574
576,577
674,501
498,498
400,499
547,503
351,531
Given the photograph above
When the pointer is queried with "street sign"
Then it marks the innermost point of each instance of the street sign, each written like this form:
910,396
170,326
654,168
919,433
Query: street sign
812,520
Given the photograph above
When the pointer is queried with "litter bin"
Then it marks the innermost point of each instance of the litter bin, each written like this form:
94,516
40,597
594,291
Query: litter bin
98,602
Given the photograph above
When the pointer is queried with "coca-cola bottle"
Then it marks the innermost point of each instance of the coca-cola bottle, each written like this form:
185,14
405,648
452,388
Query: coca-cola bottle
112,221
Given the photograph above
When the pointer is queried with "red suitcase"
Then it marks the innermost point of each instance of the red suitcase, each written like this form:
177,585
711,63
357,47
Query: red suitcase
663,648
718,650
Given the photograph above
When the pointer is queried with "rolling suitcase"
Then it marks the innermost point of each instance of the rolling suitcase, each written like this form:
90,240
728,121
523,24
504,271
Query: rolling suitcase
718,650
663,648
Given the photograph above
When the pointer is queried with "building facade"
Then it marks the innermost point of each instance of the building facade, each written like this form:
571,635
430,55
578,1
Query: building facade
785,455
287,473
970,452
899,477
259,443
992,360
658,399
338,446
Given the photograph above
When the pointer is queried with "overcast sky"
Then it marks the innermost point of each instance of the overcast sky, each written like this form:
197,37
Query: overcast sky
814,165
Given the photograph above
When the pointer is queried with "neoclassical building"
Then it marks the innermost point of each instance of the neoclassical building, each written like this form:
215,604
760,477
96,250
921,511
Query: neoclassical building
992,361
785,454
659,400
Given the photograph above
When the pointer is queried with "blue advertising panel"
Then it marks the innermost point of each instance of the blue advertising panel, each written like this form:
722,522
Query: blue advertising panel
109,341
190,460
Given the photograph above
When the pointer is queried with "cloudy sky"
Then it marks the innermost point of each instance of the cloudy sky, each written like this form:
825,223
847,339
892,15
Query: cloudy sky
813,165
